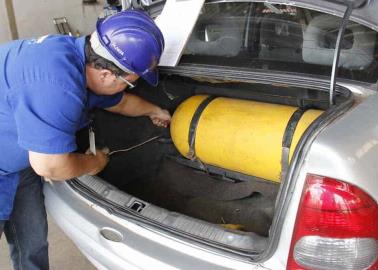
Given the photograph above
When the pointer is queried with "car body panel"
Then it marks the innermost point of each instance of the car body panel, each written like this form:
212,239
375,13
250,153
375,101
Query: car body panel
348,149
141,248
339,151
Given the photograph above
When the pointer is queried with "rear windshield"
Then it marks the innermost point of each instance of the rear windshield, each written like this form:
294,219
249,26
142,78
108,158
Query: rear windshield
281,38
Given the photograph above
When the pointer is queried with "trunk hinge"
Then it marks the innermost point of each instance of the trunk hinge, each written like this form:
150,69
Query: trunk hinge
350,6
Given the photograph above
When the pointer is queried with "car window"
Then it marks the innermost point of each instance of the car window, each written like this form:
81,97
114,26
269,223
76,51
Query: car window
281,38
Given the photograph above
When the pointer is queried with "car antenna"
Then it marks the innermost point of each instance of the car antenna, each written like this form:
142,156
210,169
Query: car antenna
351,4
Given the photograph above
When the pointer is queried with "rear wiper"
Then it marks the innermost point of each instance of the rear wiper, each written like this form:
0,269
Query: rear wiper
351,5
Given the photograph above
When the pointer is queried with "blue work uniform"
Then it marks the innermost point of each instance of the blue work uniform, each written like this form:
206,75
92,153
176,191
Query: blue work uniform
43,102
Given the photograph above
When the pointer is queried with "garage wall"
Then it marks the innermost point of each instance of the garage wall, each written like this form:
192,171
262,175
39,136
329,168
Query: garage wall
35,18
5,34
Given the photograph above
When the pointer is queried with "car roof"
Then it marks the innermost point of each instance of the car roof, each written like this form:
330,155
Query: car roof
365,15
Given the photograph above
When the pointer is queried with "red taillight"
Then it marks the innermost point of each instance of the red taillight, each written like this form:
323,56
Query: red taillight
336,227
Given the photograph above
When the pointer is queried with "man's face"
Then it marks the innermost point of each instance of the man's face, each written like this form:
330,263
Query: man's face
104,82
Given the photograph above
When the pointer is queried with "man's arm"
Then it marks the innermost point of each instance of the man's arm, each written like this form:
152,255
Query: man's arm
132,105
67,166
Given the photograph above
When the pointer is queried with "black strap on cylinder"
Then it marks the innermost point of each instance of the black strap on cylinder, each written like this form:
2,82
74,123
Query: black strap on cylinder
288,139
194,124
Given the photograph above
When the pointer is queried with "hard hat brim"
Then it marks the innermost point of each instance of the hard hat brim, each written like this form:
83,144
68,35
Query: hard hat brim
152,77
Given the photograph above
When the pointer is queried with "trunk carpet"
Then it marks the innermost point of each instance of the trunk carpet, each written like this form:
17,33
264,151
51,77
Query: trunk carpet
144,173
197,194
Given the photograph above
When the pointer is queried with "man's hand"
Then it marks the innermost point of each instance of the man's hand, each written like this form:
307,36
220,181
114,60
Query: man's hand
67,166
132,105
101,160
160,117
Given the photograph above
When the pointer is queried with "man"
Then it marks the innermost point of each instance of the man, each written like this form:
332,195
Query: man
47,87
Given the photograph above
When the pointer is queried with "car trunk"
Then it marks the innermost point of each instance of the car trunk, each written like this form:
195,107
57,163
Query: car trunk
217,205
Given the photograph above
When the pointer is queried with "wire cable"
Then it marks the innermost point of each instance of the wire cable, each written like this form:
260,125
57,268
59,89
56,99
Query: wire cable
135,146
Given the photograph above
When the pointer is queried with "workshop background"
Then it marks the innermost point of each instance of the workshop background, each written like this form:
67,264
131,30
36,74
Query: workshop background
26,19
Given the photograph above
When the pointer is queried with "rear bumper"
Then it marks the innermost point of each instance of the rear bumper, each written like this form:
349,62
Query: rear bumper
83,230
140,247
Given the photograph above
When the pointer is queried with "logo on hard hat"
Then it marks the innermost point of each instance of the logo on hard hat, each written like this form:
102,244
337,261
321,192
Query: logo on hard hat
115,47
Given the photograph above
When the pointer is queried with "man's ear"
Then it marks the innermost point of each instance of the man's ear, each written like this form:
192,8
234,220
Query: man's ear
105,74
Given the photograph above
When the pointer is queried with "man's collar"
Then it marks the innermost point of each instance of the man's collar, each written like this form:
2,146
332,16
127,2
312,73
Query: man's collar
80,45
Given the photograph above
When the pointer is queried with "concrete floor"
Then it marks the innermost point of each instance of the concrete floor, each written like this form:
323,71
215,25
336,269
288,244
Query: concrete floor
63,253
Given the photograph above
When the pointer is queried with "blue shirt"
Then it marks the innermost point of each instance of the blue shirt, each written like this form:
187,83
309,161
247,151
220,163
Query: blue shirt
43,102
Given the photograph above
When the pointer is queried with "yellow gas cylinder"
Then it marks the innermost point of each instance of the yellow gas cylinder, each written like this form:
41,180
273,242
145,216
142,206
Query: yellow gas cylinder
239,135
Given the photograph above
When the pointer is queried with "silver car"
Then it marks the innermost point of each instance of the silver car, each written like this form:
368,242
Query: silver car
269,163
